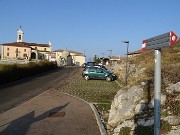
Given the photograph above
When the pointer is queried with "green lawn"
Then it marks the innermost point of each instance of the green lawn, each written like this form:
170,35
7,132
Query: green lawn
98,91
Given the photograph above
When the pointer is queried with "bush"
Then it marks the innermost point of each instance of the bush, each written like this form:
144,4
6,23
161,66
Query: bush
165,127
149,130
142,130
9,73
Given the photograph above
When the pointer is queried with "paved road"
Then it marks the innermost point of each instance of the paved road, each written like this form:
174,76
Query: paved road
50,112
18,92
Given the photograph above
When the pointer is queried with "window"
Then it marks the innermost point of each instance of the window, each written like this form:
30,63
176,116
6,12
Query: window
44,49
35,48
19,37
99,70
92,69
7,54
16,52
8,49
24,55
24,50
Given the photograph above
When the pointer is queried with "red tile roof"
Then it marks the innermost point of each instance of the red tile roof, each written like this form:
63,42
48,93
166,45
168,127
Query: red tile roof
115,57
76,53
59,50
25,44
17,44
135,52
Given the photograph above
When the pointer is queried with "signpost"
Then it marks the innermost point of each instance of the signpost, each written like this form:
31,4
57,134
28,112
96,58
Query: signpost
156,43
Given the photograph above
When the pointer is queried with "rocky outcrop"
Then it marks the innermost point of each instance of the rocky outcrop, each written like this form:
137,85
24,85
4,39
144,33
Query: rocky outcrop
140,107
124,104
172,120
163,100
135,71
173,88
129,109
175,131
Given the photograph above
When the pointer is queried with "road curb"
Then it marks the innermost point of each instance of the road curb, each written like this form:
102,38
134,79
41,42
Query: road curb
118,83
98,119
99,122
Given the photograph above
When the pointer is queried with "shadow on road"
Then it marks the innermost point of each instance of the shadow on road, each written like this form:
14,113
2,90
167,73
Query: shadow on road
21,125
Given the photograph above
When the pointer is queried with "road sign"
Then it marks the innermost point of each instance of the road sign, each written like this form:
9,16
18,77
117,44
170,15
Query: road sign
156,43
161,41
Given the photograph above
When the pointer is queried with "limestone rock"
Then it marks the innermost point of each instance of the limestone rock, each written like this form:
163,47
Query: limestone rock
175,132
173,88
163,100
123,105
149,122
140,107
141,122
151,104
172,120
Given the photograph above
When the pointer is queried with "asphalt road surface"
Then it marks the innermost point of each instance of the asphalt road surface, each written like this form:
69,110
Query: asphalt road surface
18,92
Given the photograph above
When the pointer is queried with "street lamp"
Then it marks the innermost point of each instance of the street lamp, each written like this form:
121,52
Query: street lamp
109,62
127,42
110,53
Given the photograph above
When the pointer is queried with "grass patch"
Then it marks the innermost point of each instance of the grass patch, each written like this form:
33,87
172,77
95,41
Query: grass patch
125,131
149,130
103,106
164,114
99,91
176,108
94,90
165,127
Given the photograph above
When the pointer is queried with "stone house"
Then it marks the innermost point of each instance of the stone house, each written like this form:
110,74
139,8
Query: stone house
77,57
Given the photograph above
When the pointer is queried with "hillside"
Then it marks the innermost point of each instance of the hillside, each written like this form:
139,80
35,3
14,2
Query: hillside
144,65
132,110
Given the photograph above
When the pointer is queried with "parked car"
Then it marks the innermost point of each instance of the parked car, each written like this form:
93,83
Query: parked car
98,73
91,64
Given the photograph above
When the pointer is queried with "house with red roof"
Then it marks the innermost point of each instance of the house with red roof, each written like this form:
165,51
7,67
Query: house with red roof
24,50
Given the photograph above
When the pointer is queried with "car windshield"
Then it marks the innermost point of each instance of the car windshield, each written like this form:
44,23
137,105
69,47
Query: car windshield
92,64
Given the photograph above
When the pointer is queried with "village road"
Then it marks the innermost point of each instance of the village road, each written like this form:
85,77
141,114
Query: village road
18,92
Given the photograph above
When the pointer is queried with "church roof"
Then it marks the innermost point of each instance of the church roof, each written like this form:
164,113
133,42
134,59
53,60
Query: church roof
17,44
25,44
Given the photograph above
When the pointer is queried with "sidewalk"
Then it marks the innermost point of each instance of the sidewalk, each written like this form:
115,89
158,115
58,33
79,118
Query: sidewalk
50,113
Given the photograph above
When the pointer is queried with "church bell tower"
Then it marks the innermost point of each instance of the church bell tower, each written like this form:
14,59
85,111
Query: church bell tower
20,35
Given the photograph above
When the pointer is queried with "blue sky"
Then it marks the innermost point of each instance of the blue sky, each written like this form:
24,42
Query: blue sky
93,26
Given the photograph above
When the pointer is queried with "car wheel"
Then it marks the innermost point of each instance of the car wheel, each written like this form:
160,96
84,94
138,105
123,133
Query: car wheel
86,77
108,78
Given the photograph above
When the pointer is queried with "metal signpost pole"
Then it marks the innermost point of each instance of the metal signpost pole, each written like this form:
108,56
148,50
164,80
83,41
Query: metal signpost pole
126,64
157,91
165,40
126,73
